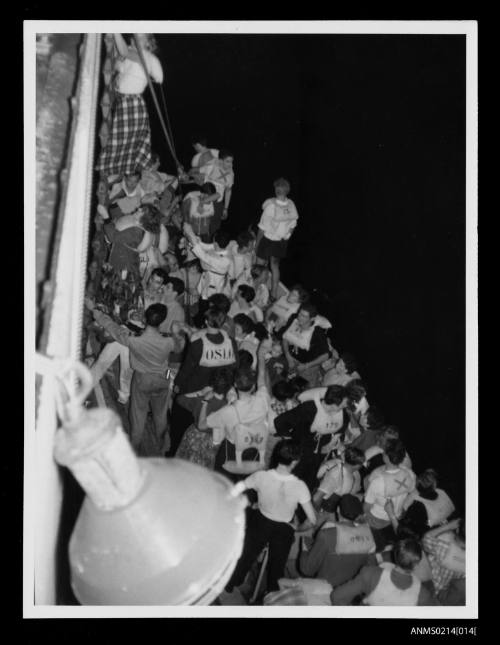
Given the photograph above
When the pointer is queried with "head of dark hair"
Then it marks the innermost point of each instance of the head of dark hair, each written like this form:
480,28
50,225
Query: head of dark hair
224,153
160,273
221,301
350,507
201,139
427,482
299,384
155,314
244,239
282,390
245,322
309,308
395,452
208,188
354,456
221,237
245,359
196,263
246,292
407,554
303,294
461,529
245,379
334,394
150,219
355,390
221,380
260,331
155,157
390,433
287,451
177,284
374,419
414,519
214,317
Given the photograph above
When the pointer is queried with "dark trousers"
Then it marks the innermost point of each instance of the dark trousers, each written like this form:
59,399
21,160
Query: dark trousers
148,390
180,421
216,219
259,532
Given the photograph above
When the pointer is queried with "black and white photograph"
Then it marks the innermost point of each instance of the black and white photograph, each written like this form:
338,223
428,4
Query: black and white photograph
251,369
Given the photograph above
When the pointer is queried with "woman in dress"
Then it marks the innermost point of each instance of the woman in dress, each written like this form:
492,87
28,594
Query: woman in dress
128,147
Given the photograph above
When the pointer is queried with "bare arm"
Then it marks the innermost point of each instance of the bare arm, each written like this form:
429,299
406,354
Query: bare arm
310,514
145,243
317,361
264,347
227,197
450,526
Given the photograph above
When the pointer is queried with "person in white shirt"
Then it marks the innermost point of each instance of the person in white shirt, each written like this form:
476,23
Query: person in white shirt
215,262
389,482
128,147
279,494
220,173
279,219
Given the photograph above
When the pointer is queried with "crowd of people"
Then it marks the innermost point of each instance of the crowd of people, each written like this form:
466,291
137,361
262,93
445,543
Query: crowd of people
223,366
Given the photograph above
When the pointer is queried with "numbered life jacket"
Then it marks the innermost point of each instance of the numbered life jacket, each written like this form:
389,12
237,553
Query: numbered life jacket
252,433
386,593
216,354
354,539
439,509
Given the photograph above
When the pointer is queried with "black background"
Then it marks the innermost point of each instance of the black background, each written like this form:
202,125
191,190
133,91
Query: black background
370,131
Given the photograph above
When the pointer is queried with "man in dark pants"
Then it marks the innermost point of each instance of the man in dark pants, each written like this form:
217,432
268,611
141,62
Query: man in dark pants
279,493
149,358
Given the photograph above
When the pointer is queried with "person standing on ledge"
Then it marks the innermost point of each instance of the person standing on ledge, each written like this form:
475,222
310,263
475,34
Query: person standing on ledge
278,220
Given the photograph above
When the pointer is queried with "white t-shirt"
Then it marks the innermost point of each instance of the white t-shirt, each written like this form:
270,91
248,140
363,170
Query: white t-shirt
131,77
278,493
376,492
253,409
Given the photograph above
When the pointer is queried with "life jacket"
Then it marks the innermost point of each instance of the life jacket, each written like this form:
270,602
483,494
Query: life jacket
438,509
386,593
354,539
250,434
299,338
283,309
216,355
325,423
454,560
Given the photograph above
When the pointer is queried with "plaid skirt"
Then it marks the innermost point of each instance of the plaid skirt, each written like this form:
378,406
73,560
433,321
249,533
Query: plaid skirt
128,146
